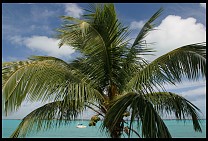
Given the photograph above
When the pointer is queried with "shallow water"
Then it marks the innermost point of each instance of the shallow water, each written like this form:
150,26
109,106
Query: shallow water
177,128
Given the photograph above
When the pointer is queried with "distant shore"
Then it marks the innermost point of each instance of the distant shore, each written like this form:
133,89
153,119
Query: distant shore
102,119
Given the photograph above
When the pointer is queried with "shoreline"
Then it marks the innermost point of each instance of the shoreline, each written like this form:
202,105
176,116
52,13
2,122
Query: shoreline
102,119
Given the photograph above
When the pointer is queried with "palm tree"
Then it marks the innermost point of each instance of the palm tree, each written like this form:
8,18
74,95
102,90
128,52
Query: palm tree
111,78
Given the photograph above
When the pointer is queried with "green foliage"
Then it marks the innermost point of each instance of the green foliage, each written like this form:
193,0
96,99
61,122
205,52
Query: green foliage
48,116
110,78
146,108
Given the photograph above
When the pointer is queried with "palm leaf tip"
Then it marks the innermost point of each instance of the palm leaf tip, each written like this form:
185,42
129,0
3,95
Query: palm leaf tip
173,103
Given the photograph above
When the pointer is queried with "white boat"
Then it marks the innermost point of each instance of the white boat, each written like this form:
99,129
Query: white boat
79,125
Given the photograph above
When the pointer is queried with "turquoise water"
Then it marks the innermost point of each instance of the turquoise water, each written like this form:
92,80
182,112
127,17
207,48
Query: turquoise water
177,128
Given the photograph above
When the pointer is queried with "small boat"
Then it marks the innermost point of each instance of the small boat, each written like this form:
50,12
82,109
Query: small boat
79,125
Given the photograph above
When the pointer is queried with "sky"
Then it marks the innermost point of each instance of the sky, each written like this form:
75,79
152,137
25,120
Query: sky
30,29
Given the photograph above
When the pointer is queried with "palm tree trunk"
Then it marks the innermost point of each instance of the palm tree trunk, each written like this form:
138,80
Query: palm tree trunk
112,92
117,131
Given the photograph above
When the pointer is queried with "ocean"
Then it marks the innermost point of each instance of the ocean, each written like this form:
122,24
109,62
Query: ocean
177,128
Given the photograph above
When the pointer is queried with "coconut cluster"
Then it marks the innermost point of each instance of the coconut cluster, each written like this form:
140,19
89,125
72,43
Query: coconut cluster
94,120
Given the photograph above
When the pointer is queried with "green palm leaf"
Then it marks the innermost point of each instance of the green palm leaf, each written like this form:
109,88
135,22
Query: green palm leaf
152,124
148,26
139,47
187,61
51,115
172,103
133,62
45,79
100,39
110,77
145,109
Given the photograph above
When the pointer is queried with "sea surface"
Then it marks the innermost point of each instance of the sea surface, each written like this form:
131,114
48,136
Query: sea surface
177,128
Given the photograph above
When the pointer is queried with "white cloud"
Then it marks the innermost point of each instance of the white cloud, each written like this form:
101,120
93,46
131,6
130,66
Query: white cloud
42,28
174,32
25,3
23,111
38,14
28,107
203,5
186,84
198,98
9,29
137,25
18,40
195,94
43,44
73,10
201,104
193,91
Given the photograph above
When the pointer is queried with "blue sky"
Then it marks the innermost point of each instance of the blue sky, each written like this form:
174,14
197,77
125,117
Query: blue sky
29,29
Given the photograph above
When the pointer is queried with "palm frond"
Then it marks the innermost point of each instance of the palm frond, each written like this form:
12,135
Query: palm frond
148,26
51,115
110,75
172,103
46,78
100,38
187,61
152,124
133,61
95,110
139,47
